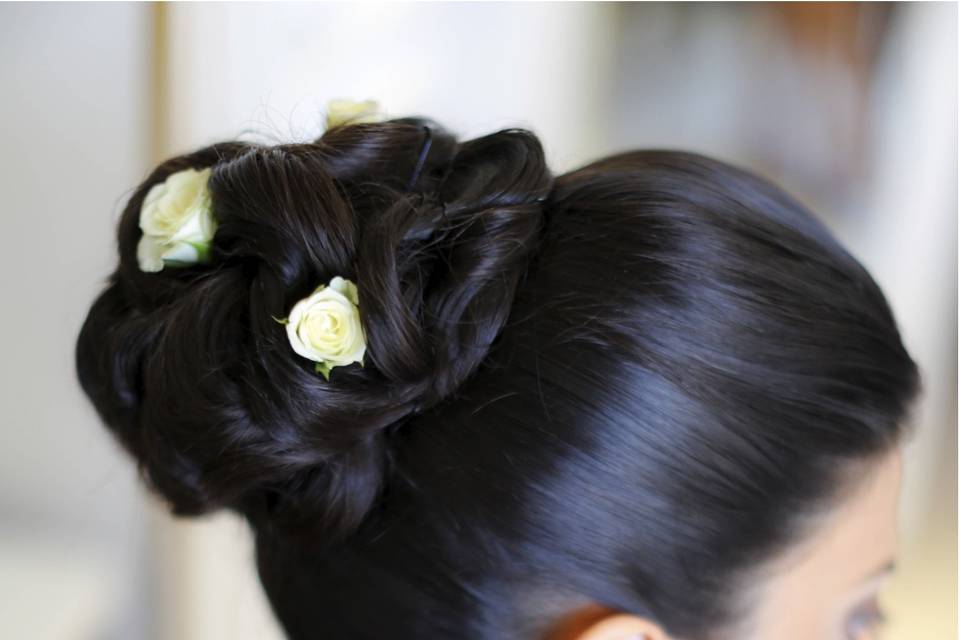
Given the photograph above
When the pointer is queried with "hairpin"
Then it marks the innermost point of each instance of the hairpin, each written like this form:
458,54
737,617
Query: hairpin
422,158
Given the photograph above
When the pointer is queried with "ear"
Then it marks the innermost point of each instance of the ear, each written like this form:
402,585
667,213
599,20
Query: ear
623,626
599,623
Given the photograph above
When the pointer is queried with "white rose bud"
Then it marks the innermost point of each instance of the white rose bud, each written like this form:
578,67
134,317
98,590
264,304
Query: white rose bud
177,221
340,112
325,326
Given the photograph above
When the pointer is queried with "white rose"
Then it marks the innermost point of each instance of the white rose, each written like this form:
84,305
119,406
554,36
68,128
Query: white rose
177,221
340,112
325,326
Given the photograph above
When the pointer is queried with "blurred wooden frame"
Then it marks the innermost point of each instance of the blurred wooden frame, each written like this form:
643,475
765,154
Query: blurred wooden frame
848,33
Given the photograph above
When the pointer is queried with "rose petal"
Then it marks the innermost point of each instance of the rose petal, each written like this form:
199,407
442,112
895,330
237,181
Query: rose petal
183,252
150,254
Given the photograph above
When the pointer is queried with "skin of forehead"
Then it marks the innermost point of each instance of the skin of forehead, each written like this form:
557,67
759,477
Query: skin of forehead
805,589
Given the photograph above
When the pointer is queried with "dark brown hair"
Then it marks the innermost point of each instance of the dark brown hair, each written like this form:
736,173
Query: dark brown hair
621,384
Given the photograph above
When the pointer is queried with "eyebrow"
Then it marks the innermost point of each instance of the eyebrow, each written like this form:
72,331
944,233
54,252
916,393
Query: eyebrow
887,567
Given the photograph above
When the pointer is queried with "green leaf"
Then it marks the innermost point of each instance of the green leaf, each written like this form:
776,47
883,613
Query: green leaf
281,320
203,250
321,367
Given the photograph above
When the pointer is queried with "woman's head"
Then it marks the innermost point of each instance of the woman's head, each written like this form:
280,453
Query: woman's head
641,385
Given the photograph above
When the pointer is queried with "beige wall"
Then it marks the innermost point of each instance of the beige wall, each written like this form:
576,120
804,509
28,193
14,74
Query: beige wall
74,123
904,242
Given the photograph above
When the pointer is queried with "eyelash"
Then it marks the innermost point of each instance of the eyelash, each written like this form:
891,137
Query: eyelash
868,617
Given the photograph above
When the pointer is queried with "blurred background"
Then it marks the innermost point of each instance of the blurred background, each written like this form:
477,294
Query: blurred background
852,107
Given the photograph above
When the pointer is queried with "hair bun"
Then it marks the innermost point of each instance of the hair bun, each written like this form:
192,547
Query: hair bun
191,372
